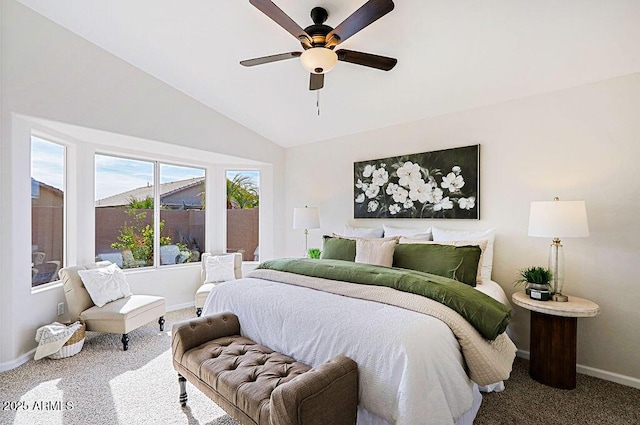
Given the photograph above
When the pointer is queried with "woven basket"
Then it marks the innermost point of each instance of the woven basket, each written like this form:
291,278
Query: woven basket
73,344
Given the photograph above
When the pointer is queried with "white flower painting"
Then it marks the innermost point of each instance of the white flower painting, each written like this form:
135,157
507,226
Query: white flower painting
437,184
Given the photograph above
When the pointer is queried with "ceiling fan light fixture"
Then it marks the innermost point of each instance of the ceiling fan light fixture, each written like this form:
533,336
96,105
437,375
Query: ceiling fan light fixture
319,60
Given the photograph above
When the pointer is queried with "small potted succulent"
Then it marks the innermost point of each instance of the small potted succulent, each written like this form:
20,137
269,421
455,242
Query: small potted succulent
314,253
536,278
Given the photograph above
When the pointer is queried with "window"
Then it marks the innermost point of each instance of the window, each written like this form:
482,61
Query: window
126,207
243,196
47,210
124,211
182,202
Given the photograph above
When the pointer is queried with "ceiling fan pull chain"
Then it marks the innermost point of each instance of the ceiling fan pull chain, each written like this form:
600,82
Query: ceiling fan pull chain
318,101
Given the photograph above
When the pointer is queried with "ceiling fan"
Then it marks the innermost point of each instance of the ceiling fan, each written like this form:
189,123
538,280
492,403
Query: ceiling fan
319,40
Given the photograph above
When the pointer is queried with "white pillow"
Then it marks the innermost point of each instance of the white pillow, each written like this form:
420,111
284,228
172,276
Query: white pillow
378,252
408,233
362,232
354,238
105,284
470,235
220,268
482,244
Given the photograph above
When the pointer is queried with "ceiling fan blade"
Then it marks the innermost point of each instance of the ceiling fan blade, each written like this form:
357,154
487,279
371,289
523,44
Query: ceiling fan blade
367,59
370,12
316,82
269,59
279,17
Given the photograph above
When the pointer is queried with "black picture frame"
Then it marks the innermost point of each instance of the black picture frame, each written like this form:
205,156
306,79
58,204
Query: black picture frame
443,184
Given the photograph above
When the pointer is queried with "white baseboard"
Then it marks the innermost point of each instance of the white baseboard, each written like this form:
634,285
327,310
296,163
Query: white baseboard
597,373
17,362
181,306
29,355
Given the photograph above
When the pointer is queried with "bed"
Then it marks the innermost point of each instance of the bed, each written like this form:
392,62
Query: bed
412,366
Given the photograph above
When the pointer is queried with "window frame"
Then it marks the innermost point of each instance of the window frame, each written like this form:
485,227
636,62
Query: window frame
47,137
241,169
157,218
82,144
156,163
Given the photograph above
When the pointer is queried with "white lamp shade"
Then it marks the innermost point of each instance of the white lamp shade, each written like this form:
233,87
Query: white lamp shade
558,219
306,218
319,60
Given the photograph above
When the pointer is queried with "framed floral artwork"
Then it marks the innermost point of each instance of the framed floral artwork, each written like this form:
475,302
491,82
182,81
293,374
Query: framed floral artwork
437,184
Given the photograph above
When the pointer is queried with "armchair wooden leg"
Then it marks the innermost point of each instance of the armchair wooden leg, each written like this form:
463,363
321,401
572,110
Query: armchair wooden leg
198,312
183,390
161,323
125,341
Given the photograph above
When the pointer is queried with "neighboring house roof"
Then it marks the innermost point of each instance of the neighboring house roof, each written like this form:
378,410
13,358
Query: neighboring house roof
36,185
142,193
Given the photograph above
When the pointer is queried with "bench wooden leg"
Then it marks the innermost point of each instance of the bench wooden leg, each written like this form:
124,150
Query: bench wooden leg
161,323
198,312
183,390
125,341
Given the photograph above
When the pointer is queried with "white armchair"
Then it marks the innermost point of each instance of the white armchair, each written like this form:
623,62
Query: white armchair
120,316
205,288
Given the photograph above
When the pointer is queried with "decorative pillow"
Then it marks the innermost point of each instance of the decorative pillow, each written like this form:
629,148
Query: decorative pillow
424,234
458,263
482,244
219,268
375,251
105,284
362,232
470,235
337,248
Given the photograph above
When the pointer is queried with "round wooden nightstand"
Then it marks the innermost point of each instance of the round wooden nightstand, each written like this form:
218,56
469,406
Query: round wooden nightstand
553,337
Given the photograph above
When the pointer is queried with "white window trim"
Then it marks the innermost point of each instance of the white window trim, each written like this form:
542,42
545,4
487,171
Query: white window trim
156,202
260,213
67,148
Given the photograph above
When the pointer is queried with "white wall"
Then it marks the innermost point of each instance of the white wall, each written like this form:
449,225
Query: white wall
577,144
48,73
3,133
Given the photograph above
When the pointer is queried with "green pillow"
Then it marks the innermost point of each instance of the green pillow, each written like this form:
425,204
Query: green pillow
455,262
338,249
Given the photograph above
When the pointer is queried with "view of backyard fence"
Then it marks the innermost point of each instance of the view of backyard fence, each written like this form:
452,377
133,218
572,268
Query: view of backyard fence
124,212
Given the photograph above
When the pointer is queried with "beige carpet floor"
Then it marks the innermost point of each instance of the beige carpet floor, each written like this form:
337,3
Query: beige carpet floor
104,385
593,401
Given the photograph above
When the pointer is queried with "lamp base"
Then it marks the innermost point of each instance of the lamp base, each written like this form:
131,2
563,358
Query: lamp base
560,298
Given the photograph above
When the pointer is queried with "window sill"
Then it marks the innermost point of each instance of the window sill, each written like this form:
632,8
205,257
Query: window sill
134,270
46,287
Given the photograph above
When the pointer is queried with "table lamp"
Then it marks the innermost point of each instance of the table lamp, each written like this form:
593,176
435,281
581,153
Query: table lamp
306,218
558,219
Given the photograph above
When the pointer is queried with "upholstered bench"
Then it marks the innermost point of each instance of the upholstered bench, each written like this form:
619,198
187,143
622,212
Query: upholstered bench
256,385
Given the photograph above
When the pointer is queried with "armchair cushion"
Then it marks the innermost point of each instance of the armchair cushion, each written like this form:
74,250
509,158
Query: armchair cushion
125,314
202,293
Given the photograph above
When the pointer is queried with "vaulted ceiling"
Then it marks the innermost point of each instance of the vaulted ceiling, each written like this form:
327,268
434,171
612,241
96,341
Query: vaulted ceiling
452,55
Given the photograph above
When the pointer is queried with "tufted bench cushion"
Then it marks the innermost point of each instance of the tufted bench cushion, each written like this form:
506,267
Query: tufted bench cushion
257,385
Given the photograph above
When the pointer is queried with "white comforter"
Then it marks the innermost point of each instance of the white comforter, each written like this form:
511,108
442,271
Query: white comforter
410,365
